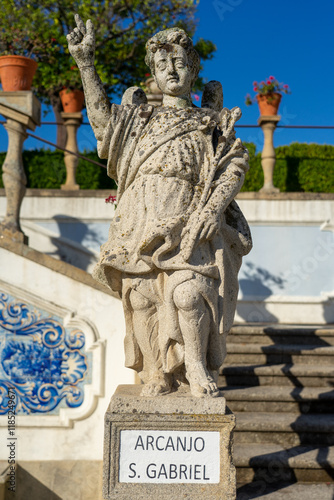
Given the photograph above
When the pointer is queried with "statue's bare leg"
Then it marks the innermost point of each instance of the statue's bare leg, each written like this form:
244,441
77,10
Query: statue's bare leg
194,318
144,320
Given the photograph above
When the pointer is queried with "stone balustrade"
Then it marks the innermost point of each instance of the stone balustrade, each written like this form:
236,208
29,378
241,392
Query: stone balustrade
268,156
22,111
72,123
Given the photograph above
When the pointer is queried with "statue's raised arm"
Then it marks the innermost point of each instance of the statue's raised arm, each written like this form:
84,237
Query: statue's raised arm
81,44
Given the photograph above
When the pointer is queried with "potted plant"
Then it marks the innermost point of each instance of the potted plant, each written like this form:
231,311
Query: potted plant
268,95
121,34
20,44
17,67
72,99
71,95
16,72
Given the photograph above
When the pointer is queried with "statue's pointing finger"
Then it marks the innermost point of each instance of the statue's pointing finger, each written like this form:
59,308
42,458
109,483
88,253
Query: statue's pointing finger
80,24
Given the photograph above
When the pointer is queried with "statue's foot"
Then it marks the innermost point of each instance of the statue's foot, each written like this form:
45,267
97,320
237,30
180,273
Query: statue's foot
158,385
201,382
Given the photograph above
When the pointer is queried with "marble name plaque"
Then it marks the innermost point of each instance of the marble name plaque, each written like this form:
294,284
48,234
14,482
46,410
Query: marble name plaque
150,456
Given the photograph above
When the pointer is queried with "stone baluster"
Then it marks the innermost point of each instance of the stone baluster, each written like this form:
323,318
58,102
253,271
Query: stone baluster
22,110
153,93
72,123
268,157
14,180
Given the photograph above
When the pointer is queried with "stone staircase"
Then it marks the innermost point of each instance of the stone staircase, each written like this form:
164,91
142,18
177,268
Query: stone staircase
279,382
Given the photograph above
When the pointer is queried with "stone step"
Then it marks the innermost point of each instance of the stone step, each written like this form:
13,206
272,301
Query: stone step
298,375
271,328
282,334
260,489
281,339
270,354
267,464
285,429
280,399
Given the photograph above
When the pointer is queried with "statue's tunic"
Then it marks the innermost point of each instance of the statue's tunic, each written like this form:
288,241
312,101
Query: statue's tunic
161,160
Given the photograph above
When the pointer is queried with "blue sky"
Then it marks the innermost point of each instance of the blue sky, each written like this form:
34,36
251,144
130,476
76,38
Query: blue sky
290,39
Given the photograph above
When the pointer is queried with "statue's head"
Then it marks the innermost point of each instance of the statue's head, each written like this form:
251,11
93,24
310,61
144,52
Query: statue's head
173,61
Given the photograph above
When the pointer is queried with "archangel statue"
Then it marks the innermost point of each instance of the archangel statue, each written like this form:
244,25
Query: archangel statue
177,238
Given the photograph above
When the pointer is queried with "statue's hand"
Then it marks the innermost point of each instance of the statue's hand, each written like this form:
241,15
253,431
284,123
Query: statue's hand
81,43
199,227
210,227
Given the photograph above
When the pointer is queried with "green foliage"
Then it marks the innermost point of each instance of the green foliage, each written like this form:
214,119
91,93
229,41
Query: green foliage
39,29
254,177
205,49
24,29
299,167
46,170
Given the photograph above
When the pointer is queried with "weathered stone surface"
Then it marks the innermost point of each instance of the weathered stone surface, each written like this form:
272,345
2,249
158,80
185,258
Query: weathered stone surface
169,415
72,123
268,156
287,429
22,110
177,239
287,491
153,93
280,399
266,464
180,401
4,469
21,106
284,412
14,180
58,479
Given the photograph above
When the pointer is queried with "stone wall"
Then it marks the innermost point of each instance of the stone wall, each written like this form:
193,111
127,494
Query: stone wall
286,278
62,351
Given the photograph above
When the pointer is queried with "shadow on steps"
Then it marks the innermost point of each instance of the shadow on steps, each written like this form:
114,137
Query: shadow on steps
28,487
311,460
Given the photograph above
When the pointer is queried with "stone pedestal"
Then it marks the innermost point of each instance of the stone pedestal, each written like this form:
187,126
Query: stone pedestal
22,110
72,123
268,157
169,447
153,94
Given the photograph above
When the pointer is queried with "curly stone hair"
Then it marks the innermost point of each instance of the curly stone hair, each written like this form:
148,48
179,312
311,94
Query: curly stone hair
172,36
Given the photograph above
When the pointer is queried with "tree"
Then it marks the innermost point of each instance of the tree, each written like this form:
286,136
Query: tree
39,29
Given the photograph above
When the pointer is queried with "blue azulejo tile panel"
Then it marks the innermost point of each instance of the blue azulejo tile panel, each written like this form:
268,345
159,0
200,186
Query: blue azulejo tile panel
43,362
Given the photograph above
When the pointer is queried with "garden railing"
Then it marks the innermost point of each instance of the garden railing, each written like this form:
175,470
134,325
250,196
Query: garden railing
15,179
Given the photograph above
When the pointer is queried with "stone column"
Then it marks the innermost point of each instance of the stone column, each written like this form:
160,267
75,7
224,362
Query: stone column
153,94
268,157
72,123
22,110
14,180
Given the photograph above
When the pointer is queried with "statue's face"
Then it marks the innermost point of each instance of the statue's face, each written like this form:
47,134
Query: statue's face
172,71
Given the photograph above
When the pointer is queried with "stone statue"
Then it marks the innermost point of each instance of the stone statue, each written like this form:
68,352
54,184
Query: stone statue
177,238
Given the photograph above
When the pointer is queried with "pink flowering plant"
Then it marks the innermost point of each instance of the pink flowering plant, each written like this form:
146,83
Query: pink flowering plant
111,199
195,96
268,88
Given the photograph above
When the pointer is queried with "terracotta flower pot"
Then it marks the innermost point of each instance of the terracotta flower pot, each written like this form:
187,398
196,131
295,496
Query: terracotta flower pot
72,100
268,104
17,72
